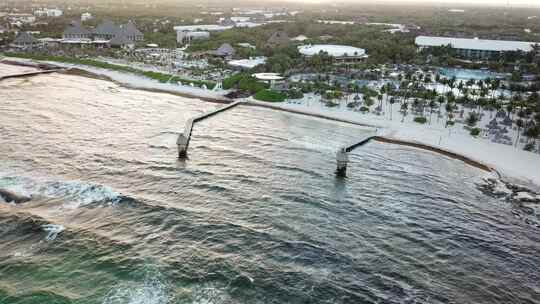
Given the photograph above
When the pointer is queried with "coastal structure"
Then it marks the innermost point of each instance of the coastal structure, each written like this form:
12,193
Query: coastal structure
131,32
25,40
76,32
342,54
106,30
122,40
106,33
474,48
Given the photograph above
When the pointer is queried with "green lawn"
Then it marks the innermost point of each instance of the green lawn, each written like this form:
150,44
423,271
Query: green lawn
270,96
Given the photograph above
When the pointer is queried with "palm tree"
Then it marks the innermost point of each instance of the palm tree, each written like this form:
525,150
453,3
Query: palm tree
392,101
441,100
519,124
404,107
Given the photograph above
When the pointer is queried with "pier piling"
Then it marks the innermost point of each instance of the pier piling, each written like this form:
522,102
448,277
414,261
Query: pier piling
182,143
342,161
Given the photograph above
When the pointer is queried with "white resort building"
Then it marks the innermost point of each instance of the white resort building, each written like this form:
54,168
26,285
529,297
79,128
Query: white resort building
48,12
187,33
474,48
86,16
343,54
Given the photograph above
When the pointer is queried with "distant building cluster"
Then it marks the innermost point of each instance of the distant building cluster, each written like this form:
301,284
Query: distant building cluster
48,12
105,34
18,20
187,33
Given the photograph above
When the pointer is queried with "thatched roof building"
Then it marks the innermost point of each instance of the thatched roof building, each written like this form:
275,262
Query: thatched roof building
278,39
25,39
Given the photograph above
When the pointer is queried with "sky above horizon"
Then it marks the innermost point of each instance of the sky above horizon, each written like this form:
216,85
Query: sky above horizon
531,3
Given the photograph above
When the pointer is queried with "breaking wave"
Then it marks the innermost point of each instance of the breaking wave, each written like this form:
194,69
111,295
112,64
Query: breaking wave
52,231
75,193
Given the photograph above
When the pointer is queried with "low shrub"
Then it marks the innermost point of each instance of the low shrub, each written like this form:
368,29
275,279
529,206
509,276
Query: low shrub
331,104
475,131
295,94
529,147
420,119
270,96
244,82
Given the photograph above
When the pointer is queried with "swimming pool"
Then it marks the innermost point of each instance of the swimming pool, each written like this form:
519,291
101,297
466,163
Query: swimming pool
469,74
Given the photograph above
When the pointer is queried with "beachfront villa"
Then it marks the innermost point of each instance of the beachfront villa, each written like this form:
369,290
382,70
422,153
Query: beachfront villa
474,48
342,54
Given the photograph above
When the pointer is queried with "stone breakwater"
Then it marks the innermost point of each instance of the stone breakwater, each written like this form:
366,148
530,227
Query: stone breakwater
524,203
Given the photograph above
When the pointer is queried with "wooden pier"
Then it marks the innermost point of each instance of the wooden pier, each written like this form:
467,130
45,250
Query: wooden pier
342,156
183,139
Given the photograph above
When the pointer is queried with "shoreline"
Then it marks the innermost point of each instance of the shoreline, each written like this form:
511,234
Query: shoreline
124,79
463,158
84,73
393,133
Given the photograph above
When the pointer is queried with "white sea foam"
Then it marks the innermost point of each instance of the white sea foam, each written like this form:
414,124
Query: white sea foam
151,291
80,193
210,294
75,193
52,231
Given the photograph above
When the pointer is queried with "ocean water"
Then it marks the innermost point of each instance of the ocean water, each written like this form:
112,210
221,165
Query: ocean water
254,215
